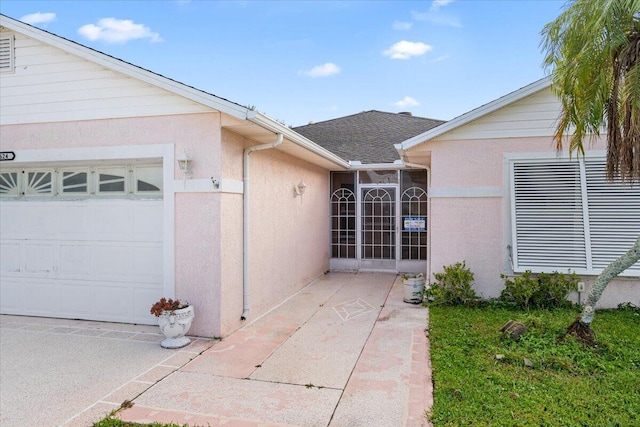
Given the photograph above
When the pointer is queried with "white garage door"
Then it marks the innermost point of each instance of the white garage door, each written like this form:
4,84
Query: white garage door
82,243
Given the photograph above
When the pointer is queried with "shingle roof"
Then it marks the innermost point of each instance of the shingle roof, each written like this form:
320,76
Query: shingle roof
368,136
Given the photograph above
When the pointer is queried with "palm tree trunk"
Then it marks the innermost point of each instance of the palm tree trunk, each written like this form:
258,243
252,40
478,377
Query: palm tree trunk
609,273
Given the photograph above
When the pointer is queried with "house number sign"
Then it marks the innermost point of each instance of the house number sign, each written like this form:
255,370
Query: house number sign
7,155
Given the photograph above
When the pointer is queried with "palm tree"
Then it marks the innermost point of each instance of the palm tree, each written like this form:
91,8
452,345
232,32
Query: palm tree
593,53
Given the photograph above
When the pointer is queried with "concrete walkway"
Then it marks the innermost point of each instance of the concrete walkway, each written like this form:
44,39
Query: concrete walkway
344,351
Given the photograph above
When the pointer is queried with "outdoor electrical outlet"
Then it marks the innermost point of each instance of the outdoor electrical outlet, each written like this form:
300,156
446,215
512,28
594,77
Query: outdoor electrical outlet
580,286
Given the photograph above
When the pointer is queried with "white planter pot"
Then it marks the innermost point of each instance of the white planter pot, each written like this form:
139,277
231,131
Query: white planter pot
174,325
413,289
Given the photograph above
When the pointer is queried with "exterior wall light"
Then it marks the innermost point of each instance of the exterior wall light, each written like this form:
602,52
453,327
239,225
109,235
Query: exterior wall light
299,189
184,163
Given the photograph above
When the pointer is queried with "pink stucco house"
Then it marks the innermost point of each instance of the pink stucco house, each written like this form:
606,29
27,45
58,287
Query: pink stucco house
98,219
503,199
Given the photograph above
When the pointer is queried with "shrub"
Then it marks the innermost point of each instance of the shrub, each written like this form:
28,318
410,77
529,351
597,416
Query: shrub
542,291
453,286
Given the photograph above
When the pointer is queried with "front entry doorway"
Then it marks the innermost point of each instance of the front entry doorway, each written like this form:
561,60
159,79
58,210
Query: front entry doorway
378,225
379,220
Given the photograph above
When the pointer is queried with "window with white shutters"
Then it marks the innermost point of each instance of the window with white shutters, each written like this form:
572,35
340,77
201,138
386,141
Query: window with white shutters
6,54
614,216
567,216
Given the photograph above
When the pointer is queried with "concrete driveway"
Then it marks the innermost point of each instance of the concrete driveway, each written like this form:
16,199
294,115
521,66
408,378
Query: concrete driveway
345,351
56,372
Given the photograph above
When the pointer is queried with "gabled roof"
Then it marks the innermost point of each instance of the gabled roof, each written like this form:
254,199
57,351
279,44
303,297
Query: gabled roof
257,126
369,136
475,114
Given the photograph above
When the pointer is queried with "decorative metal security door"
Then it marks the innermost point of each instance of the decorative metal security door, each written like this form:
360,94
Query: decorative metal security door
378,223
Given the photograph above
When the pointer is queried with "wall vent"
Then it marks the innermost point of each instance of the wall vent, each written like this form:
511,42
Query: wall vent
6,54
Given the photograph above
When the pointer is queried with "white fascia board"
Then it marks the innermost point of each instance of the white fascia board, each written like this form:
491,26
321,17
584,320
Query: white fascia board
397,164
268,123
475,114
126,68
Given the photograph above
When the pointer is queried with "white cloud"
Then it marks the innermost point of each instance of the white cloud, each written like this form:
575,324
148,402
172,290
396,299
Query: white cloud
402,26
407,101
38,18
437,4
324,70
113,30
405,50
442,58
437,19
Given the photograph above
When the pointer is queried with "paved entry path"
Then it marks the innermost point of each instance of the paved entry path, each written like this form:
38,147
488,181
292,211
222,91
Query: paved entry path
344,351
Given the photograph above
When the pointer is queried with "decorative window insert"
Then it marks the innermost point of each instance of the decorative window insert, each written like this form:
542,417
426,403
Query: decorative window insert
343,224
127,181
7,54
414,224
148,180
9,184
112,180
38,183
414,215
378,223
343,215
566,216
74,182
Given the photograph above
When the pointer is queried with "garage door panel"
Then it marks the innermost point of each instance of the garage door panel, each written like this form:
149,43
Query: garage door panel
9,221
72,221
40,297
113,301
72,297
147,223
147,261
11,296
96,259
75,260
41,258
36,222
10,257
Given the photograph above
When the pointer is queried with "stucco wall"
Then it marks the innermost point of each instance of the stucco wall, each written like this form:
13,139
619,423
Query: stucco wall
196,216
470,216
289,236
197,254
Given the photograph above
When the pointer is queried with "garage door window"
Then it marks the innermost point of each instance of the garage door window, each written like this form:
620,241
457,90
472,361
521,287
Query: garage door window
148,180
9,184
112,180
39,183
75,182
108,181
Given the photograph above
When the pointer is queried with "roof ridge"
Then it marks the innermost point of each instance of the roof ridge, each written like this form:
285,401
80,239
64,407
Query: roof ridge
409,117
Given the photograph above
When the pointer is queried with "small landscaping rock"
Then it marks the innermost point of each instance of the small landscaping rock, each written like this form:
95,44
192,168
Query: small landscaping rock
513,329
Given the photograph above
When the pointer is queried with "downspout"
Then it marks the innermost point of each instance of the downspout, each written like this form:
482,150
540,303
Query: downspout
245,221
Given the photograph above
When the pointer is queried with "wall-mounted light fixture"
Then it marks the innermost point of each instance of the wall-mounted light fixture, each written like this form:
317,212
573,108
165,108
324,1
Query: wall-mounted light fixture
184,163
299,189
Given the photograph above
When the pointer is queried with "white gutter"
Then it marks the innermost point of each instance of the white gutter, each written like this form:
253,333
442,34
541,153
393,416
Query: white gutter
245,221
268,123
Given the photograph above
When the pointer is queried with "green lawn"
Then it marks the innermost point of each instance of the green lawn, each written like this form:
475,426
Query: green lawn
566,385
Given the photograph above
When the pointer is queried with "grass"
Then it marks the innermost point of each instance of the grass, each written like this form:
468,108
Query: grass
480,380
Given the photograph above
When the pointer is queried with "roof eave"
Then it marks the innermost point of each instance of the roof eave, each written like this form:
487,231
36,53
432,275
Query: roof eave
474,114
268,123
123,67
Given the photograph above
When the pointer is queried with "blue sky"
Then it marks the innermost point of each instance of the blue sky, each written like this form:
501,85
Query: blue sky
311,61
